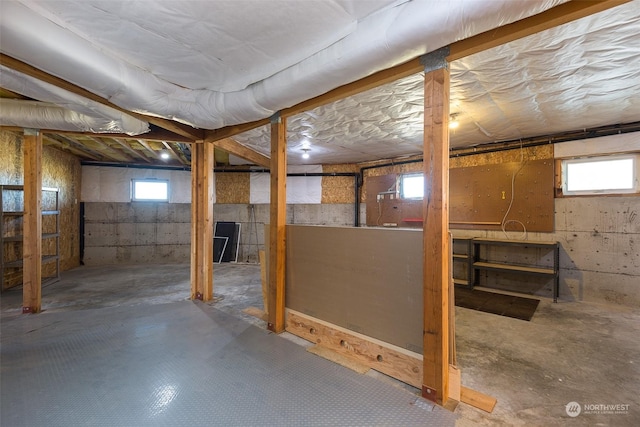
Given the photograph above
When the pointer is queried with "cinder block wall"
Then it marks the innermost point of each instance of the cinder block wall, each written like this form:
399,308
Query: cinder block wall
146,232
599,256
137,232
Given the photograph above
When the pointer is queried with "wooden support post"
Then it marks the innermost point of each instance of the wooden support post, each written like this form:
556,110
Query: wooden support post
436,228
278,214
202,221
32,222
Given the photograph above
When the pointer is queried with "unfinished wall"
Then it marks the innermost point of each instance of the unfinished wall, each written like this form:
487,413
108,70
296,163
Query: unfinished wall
598,235
59,170
120,231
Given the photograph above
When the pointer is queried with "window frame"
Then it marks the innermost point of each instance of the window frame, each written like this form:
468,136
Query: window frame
635,189
134,181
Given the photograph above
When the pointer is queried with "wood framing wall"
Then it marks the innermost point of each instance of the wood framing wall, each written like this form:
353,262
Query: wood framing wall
59,170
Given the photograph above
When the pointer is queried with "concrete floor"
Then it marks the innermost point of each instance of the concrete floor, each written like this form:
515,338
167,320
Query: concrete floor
569,352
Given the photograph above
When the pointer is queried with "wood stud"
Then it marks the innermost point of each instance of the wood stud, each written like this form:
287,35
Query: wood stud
32,223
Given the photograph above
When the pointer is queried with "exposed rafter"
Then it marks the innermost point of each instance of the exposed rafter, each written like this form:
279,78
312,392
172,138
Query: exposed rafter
73,146
176,153
147,147
130,150
110,150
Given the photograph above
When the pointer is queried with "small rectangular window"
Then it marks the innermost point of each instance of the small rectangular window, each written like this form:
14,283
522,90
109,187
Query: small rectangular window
412,186
150,190
600,175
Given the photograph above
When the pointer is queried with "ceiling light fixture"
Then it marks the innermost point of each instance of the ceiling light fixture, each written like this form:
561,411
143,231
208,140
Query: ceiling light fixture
305,154
453,121
164,155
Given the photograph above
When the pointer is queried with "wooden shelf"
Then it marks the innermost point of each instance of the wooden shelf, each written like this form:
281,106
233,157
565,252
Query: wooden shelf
475,264
15,228
512,267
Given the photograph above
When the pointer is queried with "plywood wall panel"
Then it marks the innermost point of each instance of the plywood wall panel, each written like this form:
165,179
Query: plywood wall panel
59,170
480,196
338,189
232,188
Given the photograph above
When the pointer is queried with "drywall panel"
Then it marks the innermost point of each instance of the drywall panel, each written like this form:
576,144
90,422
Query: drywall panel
300,189
622,143
368,280
113,184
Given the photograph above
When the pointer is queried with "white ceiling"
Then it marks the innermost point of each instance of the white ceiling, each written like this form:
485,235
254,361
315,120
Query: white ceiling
580,75
214,63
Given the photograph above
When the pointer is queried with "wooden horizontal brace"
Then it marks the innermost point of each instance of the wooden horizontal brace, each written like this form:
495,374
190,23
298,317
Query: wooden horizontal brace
234,147
550,18
229,131
391,360
397,362
34,72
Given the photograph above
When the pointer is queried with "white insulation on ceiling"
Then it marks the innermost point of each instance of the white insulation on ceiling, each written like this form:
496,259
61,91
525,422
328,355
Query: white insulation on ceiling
212,64
64,111
584,74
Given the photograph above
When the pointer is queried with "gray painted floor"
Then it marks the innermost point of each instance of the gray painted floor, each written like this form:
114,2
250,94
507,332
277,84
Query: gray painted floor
178,364
123,346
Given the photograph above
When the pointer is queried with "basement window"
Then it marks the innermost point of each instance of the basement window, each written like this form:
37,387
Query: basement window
600,175
412,186
149,190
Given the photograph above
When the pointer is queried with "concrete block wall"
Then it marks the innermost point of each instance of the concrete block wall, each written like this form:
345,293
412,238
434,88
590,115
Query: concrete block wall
599,252
599,238
146,232
137,232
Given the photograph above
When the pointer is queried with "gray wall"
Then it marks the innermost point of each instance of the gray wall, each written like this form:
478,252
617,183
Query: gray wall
599,237
145,232
599,255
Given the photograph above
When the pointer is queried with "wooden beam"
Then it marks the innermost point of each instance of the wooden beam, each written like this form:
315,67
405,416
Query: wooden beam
277,226
109,150
88,152
550,18
202,221
147,147
436,236
232,146
370,82
130,150
229,131
176,153
34,72
64,146
32,222
545,20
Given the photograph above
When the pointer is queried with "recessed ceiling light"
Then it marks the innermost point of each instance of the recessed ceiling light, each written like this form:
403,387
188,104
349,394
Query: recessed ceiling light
164,155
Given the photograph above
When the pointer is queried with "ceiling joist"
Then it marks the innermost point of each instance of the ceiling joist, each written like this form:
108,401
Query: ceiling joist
80,149
130,150
176,153
110,151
